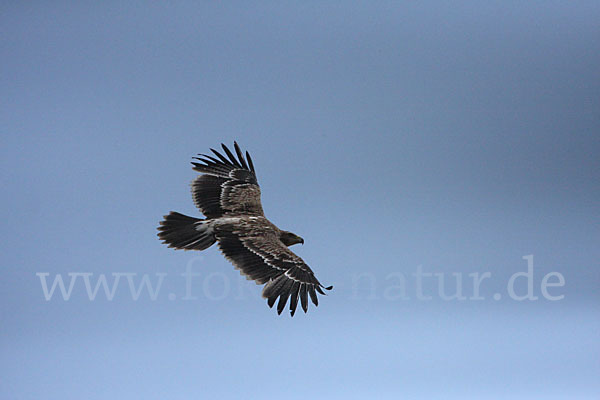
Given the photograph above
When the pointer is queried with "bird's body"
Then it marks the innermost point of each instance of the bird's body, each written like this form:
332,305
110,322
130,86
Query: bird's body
228,195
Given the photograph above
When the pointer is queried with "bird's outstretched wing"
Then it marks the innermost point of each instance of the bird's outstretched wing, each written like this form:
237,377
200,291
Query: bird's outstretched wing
254,248
228,185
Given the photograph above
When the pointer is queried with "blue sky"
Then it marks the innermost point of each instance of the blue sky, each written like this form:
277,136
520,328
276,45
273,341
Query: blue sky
450,138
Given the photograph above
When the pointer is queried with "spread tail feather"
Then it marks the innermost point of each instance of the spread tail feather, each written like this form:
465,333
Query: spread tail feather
188,233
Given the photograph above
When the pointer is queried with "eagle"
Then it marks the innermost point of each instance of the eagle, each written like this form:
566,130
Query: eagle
228,194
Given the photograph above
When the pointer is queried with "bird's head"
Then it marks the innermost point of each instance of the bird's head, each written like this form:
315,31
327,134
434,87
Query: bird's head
289,238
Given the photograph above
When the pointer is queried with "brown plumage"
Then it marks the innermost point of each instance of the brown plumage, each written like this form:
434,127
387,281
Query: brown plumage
228,195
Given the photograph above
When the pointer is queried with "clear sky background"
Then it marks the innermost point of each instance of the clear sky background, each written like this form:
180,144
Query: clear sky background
454,137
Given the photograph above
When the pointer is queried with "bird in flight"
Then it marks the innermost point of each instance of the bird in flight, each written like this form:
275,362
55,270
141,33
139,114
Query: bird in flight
228,194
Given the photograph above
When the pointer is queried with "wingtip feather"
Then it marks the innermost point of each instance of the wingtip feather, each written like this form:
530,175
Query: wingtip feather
250,163
240,155
303,297
221,157
231,156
